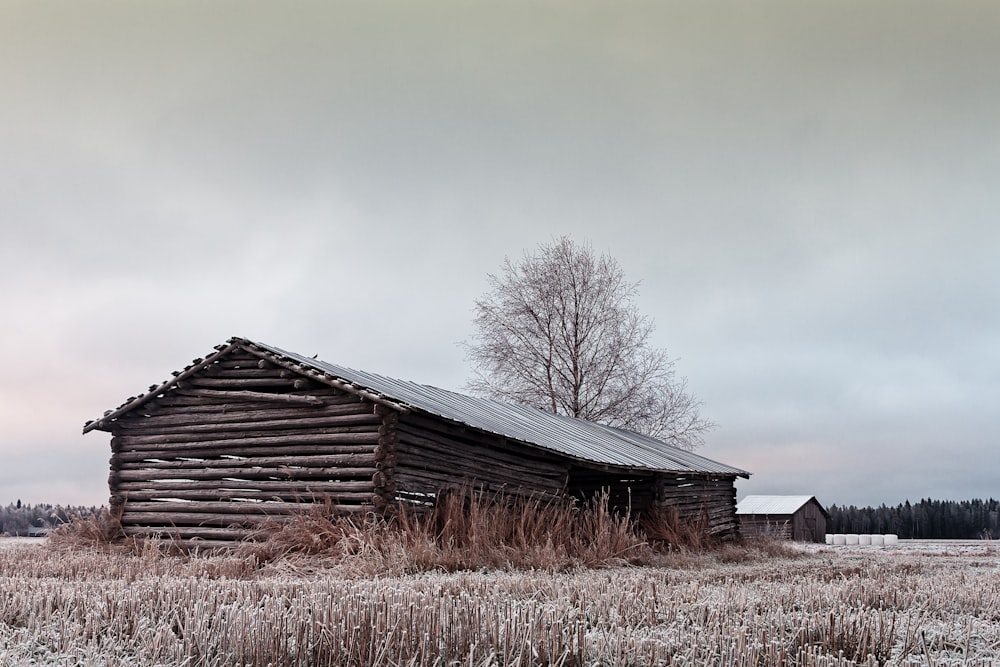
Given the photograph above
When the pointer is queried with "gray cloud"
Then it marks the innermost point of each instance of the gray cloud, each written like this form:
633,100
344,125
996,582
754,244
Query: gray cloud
807,193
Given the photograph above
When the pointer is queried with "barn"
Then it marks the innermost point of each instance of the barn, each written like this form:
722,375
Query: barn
799,518
252,433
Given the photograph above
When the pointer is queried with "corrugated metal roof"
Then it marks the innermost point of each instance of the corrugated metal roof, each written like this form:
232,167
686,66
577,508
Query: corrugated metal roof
772,504
577,438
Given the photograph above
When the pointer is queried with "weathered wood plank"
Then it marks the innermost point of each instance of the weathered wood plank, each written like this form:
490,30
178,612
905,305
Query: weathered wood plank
460,469
341,461
238,495
430,481
284,473
237,413
137,401
173,400
252,396
239,363
473,470
324,424
236,383
305,488
410,440
326,379
138,442
175,518
219,371
236,449
189,532
260,509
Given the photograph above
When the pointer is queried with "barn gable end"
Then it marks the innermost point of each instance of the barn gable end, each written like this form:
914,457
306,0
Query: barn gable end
251,433
240,440
799,518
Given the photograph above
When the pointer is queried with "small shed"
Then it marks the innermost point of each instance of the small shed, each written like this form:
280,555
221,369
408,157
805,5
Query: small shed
253,433
799,518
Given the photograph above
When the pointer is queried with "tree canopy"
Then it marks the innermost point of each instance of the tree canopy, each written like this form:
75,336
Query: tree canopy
559,329
924,520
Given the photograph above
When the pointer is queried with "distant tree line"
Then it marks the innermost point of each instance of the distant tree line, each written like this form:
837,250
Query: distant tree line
925,520
19,520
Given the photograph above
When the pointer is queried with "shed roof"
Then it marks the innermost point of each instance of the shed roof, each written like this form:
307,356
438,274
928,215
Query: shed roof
774,504
577,438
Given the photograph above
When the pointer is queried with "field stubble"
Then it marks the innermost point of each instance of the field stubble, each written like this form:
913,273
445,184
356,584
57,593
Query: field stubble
827,607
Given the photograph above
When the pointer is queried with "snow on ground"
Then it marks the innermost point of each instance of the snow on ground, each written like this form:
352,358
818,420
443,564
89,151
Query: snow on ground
13,541
986,548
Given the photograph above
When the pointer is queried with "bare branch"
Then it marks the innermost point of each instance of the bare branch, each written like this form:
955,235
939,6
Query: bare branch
559,330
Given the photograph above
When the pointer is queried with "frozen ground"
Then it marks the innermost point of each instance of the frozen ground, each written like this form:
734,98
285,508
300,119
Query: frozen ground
909,604
984,548
20,541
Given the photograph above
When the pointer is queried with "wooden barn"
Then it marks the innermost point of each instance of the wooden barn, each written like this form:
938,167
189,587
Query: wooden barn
252,432
799,518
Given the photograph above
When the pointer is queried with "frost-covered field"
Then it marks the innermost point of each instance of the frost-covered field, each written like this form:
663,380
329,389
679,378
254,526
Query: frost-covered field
911,604
984,548
15,541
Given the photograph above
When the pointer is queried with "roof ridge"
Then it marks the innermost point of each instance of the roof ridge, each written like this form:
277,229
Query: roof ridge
580,439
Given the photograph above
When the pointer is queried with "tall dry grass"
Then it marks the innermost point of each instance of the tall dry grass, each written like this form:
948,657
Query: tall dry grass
466,531
97,530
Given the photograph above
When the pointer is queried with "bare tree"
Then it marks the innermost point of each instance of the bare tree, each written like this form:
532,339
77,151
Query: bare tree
559,330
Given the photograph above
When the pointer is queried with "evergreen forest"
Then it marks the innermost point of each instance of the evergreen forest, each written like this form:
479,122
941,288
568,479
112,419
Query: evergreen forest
925,520
17,519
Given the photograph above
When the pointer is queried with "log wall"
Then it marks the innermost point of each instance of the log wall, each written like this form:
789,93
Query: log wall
434,455
632,493
706,500
244,443
250,438
777,526
808,524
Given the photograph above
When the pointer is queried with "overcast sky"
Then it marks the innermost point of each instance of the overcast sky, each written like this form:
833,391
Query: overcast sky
809,193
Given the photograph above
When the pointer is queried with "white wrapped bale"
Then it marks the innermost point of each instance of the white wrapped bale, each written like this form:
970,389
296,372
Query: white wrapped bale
840,539
878,540
829,538
891,540
852,539
864,540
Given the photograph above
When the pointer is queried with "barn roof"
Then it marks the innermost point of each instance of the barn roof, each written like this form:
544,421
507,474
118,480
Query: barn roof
774,504
577,438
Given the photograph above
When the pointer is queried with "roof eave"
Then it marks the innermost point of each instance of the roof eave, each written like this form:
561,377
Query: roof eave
308,367
275,356
320,375
104,423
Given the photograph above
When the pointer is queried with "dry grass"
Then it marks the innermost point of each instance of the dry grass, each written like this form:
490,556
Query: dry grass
89,607
469,531
756,548
492,582
465,531
94,531
666,530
